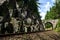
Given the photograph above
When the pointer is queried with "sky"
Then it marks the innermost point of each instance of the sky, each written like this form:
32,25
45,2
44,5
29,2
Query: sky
45,6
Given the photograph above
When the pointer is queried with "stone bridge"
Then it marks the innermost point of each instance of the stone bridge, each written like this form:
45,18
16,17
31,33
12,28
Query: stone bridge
53,22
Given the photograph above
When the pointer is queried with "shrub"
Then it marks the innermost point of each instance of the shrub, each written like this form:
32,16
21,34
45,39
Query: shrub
48,25
58,26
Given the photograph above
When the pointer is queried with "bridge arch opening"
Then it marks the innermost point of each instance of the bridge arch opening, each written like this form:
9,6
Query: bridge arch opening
49,25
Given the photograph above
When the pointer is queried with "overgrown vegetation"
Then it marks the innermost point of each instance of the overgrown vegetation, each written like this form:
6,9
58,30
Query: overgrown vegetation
54,13
48,25
20,10
58,26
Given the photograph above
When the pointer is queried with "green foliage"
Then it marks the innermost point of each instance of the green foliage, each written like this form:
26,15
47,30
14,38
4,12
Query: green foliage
57,29
58,8
52,14
58,26
58,12
48,25
26,5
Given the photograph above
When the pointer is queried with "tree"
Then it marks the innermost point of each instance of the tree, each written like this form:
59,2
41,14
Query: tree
32,10
19,7
4,12
52,14
58,8
9,28
49,25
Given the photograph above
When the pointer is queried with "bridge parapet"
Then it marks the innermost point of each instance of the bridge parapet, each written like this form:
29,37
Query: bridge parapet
53,22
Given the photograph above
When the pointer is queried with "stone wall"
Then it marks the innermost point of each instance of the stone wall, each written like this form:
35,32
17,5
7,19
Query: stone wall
17,24
53,22
17,20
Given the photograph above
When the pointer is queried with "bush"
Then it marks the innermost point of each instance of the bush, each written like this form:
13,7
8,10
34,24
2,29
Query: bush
48,25
58,26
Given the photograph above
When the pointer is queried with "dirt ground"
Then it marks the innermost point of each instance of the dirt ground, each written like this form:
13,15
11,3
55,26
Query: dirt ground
46,35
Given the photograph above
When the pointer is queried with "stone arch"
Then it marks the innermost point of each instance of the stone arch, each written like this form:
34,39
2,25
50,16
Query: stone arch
51,24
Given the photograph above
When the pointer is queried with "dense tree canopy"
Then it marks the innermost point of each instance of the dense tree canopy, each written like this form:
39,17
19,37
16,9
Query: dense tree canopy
21,10
54,12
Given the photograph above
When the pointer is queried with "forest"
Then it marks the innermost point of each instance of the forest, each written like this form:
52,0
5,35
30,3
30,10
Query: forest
20,16
54,13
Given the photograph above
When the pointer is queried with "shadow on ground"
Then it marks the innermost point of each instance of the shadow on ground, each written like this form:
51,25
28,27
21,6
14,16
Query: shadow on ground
46,35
